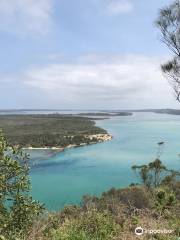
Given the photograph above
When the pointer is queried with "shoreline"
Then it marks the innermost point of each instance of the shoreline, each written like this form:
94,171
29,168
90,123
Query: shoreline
99,137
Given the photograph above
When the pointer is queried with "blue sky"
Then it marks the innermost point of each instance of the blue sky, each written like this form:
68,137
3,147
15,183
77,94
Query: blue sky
82,54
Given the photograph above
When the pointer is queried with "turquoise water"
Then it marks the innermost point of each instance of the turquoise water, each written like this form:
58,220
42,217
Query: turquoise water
63,178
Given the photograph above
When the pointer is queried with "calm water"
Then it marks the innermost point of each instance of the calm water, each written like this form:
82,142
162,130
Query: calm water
63,178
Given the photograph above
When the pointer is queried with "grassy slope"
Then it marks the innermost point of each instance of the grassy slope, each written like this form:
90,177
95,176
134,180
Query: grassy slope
47,130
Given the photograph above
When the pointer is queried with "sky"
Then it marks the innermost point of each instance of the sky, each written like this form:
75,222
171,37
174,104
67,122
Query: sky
83,54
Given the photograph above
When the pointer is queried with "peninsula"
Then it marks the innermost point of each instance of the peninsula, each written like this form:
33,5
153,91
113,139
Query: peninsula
56,131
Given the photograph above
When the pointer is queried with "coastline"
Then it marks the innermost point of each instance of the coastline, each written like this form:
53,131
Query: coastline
98,137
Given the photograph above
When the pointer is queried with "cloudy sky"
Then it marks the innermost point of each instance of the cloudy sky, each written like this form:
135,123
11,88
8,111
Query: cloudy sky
83,54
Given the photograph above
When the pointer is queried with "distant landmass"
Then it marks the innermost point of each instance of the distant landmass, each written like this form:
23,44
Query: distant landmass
168,111
51,130
106,114
80,112
162,111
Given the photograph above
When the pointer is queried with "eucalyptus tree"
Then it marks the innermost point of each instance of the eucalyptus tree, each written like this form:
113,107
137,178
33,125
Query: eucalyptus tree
151,174
169,24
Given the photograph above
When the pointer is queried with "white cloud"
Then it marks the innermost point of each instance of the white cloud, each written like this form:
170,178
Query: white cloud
125,82
119,6
24,16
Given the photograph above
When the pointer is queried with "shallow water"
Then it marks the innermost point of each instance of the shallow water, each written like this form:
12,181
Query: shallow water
63,178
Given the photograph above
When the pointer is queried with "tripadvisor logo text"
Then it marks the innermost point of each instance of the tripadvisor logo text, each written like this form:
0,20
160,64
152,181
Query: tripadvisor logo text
140,231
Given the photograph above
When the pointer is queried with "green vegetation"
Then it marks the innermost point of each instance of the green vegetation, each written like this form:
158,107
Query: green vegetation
90,225
17,209
153,174
114,215
168,24
48,130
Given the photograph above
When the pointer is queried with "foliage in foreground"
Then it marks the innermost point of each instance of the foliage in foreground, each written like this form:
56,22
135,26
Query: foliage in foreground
17,209
90,225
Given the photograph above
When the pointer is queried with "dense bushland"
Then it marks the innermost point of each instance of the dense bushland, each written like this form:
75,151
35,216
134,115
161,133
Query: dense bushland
53,130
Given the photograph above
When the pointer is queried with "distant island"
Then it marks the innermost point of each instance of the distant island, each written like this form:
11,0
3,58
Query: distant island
168,111
130,112
161,111
56,131
106,114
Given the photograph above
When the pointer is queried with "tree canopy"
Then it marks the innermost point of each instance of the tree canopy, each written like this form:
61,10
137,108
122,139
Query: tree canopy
169,24
17,208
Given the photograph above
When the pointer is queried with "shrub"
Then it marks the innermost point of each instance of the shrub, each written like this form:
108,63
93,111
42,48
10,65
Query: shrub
164,198
90,225
17,209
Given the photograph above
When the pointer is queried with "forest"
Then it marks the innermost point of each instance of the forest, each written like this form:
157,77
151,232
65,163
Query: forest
53,130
